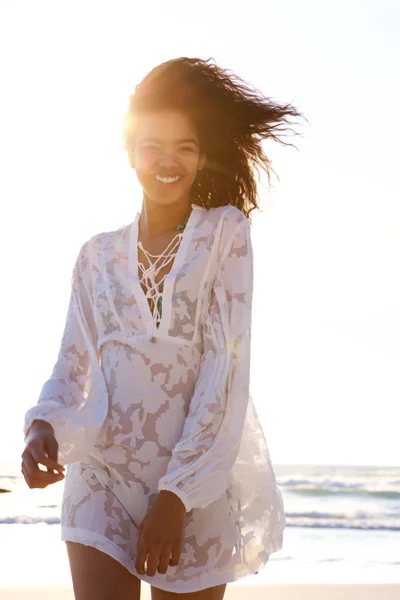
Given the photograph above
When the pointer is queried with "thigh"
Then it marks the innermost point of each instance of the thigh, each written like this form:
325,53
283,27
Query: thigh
214,593
97,576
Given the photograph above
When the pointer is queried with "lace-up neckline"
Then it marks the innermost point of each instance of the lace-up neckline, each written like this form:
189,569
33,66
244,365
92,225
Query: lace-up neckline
152,281
152,288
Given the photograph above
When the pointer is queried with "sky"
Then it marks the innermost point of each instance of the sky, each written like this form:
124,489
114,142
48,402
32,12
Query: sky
326,323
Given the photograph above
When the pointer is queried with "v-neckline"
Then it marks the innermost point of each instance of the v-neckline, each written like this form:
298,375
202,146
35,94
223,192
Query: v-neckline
149,319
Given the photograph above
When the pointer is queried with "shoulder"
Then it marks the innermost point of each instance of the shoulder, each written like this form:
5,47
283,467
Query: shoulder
229,221
235,228
229,215
102,242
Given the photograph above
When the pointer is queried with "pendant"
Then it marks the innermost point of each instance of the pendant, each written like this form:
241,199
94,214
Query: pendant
182,225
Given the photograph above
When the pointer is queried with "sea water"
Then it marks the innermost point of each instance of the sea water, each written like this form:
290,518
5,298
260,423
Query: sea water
343,526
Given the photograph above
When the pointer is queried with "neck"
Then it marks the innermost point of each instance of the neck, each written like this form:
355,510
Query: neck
156,219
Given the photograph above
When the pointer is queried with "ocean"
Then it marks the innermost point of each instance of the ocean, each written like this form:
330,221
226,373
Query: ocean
343,526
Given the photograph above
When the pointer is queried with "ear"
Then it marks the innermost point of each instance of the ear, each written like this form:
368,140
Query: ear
202,162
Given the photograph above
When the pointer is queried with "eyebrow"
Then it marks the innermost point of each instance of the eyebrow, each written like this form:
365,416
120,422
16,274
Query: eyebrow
181,141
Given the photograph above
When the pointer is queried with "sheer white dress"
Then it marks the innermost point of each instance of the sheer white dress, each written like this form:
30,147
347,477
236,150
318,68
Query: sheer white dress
149,395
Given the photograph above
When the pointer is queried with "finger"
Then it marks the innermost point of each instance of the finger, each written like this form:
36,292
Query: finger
26,475
47,476
140,531
164,560
40,457
29,463
33,472
176,556
138,543
50,447
31,482
141,558
153,560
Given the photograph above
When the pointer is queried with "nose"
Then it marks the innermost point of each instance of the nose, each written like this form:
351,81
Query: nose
168,159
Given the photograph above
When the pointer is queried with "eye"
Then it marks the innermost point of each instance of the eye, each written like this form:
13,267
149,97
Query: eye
187,149
149,147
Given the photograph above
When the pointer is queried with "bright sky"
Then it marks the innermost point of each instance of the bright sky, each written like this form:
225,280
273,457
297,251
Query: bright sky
326,336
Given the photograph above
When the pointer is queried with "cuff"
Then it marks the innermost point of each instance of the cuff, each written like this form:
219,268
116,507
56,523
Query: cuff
180,493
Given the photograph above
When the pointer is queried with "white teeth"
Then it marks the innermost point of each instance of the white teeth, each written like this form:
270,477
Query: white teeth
167,179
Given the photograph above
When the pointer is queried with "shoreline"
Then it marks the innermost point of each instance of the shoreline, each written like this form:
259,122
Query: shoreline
236,591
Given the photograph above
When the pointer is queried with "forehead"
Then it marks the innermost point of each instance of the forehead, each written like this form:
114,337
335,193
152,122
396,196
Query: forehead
166,125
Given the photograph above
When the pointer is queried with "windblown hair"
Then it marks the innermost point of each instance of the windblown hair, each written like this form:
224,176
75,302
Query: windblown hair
231,119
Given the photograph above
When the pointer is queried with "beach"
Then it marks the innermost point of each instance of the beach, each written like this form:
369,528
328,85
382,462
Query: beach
342,539
238,591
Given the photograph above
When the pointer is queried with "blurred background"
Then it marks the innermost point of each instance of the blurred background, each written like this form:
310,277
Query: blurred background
326,333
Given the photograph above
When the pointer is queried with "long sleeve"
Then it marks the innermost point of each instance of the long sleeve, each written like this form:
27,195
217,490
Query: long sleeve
64,396
201,461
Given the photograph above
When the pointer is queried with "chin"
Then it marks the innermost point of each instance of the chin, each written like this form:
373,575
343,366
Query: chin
167,197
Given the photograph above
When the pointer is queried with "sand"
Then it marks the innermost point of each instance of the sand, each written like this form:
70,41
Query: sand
239,592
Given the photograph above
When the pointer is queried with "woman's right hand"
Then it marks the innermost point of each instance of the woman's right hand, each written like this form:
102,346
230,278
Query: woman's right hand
41,448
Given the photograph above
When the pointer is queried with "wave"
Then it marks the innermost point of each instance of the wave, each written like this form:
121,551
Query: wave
314,497
332,525
312,519
376,486
27,520
344,520
326,492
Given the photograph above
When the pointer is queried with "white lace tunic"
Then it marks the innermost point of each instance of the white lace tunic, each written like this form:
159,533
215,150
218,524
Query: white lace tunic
142,402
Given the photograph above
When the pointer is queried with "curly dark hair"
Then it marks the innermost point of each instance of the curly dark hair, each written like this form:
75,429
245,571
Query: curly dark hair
231,119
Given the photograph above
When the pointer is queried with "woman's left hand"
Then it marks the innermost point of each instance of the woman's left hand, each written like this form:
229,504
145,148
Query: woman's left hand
161,534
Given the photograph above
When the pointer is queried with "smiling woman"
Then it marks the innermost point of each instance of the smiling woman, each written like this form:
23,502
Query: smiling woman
169,478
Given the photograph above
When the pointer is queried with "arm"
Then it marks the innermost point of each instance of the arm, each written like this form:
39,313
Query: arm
199,469
66,391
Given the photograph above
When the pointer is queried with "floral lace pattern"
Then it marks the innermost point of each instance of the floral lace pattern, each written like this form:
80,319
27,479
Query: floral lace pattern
138,408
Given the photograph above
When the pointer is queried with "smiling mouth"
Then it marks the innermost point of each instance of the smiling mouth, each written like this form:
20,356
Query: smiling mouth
167,180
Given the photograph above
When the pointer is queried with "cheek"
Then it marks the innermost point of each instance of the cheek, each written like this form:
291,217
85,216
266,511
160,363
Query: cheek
144,161
190,163
144,168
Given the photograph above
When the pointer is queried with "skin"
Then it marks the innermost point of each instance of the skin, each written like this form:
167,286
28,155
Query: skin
166,143
97,576
41,449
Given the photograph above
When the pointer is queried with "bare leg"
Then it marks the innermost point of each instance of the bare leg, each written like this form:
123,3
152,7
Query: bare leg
214,593
97,576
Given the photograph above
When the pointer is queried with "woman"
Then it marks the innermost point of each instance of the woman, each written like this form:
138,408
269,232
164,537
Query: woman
169,478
